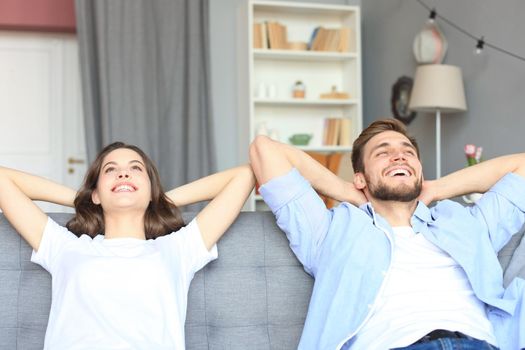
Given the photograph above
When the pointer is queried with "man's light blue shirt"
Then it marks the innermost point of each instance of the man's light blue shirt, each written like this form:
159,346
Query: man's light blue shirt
348,251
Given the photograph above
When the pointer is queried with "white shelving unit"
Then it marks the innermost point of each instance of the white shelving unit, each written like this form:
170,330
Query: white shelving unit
267,76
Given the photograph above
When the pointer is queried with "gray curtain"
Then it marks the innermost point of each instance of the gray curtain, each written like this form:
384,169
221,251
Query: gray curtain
146,81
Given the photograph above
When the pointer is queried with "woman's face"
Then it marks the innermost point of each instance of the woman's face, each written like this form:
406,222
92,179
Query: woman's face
123,182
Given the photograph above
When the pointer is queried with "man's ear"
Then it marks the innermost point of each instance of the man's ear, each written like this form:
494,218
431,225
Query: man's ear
359,181
94,197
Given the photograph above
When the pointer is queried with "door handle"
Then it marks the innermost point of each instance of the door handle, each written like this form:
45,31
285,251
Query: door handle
72,160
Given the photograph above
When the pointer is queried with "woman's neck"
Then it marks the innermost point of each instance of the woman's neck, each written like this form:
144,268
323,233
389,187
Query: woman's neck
124,225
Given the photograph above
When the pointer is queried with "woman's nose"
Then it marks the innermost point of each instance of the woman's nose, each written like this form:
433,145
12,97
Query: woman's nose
123,174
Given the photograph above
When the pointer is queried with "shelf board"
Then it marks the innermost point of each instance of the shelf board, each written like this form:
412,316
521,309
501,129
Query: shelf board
302,55
326,149
305,102
284,7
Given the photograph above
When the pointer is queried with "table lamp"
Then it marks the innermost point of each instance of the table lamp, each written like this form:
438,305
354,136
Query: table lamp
438,88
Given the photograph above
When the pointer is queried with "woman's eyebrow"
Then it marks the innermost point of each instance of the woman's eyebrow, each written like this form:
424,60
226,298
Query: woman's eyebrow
137,161
110,162
131,161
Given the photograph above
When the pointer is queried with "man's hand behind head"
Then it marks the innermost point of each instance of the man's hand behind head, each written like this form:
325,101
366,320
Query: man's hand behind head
429,192
354,195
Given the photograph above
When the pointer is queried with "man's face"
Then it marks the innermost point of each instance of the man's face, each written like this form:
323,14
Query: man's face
392,170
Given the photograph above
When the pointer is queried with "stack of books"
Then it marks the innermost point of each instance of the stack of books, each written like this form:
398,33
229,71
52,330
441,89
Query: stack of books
337,132
273,35
270,35
323,39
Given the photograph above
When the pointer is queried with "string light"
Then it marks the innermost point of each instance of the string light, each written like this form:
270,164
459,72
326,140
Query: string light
432,16
481,43
479,46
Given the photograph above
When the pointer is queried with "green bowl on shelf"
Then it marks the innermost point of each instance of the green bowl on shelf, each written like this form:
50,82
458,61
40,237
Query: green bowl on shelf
300,139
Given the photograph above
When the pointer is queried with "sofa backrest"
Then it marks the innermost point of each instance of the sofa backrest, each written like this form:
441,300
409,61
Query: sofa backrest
255,296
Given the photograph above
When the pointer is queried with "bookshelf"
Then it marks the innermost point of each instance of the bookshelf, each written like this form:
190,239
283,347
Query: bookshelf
277,49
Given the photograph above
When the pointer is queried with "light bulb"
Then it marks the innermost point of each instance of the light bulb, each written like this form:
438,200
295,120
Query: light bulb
479,46
432,16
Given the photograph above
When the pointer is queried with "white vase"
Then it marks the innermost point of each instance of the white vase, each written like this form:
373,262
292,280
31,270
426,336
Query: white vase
262,129
274,134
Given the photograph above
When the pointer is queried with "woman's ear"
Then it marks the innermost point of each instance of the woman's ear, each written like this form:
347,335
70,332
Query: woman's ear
359,181
94,197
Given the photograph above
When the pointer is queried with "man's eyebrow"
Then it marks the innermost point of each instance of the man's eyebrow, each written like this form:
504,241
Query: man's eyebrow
381,145
408,144
386,144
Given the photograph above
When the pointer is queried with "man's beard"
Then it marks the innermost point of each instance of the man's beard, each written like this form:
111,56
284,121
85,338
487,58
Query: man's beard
402,193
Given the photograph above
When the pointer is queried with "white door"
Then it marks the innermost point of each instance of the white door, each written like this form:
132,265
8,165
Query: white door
41,121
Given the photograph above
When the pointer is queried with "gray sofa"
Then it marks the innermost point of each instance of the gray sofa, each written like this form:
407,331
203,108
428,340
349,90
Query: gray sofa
255,296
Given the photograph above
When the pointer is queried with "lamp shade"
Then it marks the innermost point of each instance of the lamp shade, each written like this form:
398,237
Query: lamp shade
438,87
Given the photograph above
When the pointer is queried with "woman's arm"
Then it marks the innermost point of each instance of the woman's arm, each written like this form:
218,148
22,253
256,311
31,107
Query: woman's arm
477,178
271,159
228,190
17,190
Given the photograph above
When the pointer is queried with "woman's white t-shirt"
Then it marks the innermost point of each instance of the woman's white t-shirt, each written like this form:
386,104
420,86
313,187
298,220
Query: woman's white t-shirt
122,293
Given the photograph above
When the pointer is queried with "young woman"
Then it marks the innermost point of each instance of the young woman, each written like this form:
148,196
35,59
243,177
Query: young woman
122,267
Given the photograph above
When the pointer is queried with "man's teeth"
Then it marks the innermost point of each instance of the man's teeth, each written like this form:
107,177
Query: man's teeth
399,172
124,188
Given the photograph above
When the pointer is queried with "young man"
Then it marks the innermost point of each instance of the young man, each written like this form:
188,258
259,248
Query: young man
393,273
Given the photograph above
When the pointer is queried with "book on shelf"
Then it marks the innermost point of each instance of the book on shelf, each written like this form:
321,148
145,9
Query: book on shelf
260,36
277,36
257,40
312,37
323,39
345,133
337,132
344,42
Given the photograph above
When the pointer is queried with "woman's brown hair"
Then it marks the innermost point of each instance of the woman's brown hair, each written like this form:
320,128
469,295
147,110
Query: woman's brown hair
161,218
372,130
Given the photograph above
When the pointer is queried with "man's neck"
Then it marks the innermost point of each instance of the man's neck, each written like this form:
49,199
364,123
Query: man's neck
396,213
124,225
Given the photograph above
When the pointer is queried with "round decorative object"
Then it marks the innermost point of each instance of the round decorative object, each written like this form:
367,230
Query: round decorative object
300,139
400,98
430,45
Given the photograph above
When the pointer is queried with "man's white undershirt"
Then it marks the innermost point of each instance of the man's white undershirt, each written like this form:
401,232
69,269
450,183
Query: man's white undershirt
425,290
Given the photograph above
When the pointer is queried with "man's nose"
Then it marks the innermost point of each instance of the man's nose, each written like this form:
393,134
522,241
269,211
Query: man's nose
400,155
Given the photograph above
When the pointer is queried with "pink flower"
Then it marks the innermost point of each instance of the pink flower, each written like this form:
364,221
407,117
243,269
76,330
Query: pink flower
470,150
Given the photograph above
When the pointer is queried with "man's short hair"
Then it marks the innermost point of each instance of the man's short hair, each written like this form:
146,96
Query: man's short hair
372,130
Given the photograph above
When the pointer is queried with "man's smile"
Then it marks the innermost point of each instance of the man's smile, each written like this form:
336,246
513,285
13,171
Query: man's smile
399,170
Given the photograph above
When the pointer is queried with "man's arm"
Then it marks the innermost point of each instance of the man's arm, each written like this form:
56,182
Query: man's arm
477,178
270,159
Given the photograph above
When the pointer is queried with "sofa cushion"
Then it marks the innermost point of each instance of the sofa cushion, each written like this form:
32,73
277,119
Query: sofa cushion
254,296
